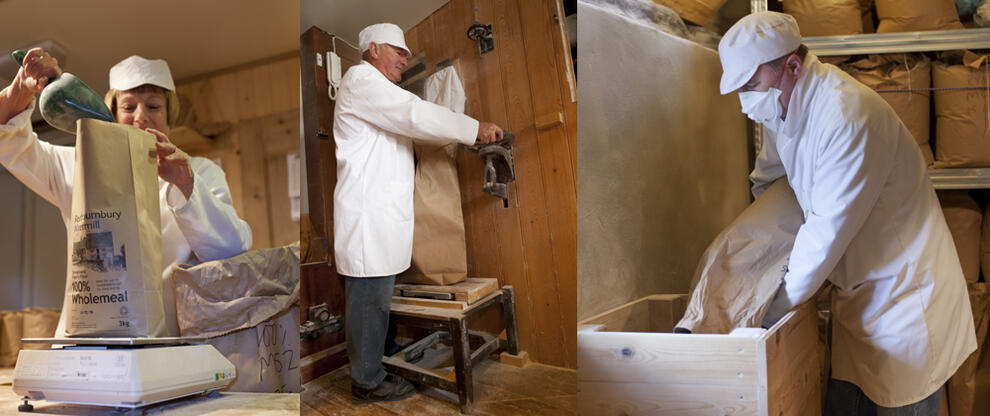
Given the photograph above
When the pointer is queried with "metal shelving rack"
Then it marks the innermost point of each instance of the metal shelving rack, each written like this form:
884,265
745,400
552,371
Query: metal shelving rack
902,42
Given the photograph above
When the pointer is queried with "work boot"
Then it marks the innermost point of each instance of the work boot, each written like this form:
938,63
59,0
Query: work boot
391,389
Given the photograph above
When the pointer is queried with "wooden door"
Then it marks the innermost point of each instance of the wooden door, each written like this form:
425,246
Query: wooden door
319,280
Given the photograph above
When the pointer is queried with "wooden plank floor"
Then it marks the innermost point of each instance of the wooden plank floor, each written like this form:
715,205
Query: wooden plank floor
500,389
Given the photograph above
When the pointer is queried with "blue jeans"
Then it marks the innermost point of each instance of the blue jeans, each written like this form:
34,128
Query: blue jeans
847,399
368,302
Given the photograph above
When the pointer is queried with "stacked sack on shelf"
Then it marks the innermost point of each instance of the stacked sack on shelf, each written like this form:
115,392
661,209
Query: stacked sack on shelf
903,81
959,81
849,17
962,110
968,391
830,17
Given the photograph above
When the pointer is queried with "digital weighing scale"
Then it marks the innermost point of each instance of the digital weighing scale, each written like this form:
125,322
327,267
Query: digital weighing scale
119,372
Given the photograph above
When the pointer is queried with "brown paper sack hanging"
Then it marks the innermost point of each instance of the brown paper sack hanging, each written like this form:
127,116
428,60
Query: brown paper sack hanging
39,323
248,308
964,217
114,283
968,390
826,17
917,15
962,116
11,326
740,271
891,73
439,255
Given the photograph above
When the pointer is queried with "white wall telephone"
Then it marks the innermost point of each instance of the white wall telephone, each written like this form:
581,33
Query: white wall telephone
333,74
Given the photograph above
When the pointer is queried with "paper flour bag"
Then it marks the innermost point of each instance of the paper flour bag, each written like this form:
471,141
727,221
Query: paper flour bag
742,268
248,307
114,283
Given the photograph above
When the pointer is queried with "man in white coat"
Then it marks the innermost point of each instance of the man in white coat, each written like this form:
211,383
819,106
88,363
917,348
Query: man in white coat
873,226
197,215
374,124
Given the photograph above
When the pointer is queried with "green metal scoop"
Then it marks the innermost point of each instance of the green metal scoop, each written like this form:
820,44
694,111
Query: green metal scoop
66,99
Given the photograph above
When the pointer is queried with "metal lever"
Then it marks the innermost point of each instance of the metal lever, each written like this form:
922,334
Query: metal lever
320,322
499,167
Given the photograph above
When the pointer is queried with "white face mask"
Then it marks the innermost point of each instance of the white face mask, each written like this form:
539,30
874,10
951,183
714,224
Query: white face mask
762,107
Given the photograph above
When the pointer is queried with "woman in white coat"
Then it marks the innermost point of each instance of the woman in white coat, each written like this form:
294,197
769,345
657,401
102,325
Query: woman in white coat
902,323
197,216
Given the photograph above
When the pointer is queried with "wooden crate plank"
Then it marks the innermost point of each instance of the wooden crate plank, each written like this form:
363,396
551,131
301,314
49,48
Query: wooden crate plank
431,303
629,399
626,357
632,317
794,364
470,290
431,312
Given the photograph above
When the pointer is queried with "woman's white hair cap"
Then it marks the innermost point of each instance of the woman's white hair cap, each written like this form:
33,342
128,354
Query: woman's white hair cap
755,39
382,33
136,71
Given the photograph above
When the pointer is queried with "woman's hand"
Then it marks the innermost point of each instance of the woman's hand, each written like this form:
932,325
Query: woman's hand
173,164
31,78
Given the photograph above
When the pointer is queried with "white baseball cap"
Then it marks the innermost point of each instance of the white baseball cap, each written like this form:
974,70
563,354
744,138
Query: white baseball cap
136,71
382,33
755,39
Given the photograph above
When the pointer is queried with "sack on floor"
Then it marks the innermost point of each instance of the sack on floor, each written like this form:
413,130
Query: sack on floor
962,116
740,271
248,307
894,72
114,284
826,17
917,15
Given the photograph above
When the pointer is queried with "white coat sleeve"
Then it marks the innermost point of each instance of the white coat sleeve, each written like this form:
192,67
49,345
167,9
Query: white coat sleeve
207,219
44,168
851,167
767,168
391,108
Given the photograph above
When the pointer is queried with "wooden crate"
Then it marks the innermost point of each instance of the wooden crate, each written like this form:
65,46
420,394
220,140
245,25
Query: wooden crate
629,363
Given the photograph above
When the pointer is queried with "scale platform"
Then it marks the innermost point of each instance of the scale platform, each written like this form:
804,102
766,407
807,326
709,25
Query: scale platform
120,372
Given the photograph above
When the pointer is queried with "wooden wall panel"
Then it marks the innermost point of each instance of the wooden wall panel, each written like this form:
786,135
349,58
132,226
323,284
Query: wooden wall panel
532,243
258,104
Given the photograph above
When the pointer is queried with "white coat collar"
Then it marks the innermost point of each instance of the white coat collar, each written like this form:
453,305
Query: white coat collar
799,106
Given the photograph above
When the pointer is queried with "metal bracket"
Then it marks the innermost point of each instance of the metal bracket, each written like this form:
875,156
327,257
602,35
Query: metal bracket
499,166
320,322
483,35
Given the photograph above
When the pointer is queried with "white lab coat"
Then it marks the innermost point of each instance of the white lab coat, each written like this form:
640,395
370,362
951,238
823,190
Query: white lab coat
902,322
202,228
373,127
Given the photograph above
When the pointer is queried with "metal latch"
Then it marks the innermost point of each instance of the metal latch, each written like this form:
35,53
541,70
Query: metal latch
320,322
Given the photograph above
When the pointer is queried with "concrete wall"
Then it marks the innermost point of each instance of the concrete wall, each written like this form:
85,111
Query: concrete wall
662,159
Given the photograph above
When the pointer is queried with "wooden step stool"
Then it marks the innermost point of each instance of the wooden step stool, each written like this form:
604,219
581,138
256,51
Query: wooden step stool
453,318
